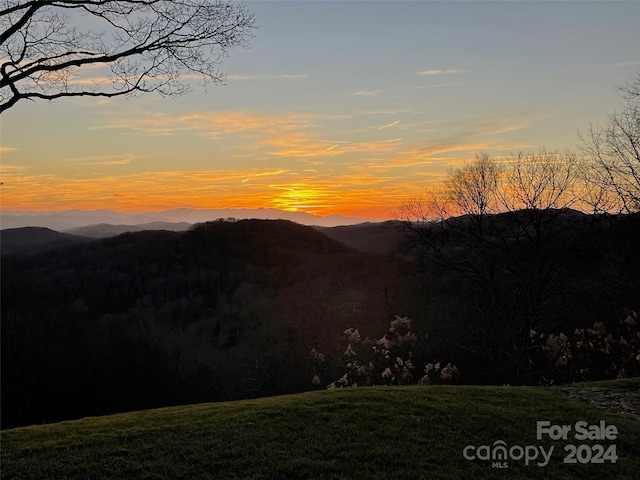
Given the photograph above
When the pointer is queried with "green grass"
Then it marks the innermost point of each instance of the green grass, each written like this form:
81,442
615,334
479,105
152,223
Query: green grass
362,433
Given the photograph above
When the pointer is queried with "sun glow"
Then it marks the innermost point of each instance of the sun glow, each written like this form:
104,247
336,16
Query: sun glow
300,197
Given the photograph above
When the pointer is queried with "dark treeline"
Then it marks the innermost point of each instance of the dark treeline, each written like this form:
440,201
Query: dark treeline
532,296
226,310
232,309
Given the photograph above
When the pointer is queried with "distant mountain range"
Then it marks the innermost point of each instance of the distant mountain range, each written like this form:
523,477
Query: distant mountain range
103,230
72,219
32,240
381,238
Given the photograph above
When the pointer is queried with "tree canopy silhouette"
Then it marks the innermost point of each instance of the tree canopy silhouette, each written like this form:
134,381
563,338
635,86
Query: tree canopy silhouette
615,150
126,46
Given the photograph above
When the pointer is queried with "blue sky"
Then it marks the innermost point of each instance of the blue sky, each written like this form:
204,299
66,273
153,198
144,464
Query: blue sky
337,107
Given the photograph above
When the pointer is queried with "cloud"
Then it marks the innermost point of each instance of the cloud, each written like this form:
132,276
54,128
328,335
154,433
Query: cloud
381,127
149,190
371,111
270,173
287,135
453,141
440,72
367,93
306,144
215,124
438,85
629,63
323,190
496,122
264,76
10,169
314,162
122,159
7,149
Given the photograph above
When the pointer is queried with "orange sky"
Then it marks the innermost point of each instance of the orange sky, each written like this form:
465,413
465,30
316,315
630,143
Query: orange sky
319,117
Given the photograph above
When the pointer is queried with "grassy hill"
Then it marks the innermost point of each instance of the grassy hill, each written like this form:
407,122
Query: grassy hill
362,433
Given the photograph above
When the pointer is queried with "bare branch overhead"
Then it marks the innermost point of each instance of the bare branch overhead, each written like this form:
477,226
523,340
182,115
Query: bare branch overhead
130,46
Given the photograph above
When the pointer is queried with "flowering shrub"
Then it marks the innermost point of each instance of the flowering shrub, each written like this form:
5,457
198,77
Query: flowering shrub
388,360
436,374
594,353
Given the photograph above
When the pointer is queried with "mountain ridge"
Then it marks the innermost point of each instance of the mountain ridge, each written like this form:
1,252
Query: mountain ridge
31,240
70,219
102,230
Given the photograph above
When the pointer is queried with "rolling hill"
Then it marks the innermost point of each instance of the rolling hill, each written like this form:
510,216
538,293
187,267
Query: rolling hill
29,240
382,238
224,310
231,309
102,230
69,219
357,433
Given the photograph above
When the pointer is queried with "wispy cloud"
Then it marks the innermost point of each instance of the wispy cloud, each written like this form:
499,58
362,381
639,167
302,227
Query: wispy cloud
216,123
318,191
287,135
306,145
122,159
392,124
268,173
367,93
630,63
7,149
438,85
452,141
265,76
381,111
450,71
11,169
496,122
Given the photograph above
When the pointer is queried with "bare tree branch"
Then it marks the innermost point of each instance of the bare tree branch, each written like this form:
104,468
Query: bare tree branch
146,46
614,149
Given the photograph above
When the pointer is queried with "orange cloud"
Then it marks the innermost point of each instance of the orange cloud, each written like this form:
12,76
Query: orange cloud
122,159
317,192
213,124
312,166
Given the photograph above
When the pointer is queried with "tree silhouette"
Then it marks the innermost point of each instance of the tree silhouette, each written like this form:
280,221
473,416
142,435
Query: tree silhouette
128,46
499,235
615,149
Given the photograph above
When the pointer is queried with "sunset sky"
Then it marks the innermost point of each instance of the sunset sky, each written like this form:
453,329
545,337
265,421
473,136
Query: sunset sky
337,107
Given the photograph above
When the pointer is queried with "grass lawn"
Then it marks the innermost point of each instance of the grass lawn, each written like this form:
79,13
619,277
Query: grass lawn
361,433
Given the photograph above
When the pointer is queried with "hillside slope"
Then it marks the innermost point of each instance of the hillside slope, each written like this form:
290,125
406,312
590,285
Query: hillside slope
382,238
223,311
31,240
362,433
102,230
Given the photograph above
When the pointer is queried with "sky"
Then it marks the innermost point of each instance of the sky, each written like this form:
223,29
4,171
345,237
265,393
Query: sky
337,107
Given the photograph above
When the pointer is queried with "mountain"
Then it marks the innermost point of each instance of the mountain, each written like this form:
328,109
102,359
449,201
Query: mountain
381,237
69,219
221,311
31,240
102,230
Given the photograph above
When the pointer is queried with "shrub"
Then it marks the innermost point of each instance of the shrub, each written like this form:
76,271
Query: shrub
388,360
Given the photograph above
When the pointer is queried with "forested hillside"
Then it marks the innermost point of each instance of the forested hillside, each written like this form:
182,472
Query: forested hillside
240,309
225,310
